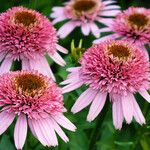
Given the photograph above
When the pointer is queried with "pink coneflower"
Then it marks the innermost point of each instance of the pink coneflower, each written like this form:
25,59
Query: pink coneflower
116,68
35,100
84,14
27,35
132,24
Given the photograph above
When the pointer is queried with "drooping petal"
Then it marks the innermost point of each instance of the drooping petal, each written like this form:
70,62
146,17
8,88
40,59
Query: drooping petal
42,66
59,131
6,65
5,120
26,64
66,29
58,19
85,28
64,122
61,49
110,7
110,13
104,38
145,95
48,131
117,114
97,105
38,132
94,29
58,59
84,100
137,112
71,87
127,106
20,131
73,69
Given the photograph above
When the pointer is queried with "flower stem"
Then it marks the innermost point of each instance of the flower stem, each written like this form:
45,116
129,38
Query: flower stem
97,130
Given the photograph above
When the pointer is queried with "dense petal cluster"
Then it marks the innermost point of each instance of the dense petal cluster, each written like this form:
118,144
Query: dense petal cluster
37,101
84,14
117,68
27,35
132,24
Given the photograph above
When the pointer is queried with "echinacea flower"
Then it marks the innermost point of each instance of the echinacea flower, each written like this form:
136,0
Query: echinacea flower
36,101
115,68
28,36
132,24
84,14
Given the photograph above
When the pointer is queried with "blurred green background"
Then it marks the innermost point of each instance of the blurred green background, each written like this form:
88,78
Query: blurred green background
100,134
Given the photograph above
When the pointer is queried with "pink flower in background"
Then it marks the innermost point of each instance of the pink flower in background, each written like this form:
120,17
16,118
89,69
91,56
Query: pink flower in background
84,14
132,24
28,36
117,68
35,100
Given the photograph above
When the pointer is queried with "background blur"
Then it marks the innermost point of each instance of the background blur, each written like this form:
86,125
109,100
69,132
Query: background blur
100,134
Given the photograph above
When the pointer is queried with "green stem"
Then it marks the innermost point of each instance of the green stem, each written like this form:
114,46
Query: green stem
96,131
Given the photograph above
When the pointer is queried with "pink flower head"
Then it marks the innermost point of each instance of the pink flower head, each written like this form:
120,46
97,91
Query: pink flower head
84,14
117,68
28,36
37,101
132,24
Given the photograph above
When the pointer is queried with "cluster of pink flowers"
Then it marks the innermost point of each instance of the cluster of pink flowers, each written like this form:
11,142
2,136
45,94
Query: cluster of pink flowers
116,66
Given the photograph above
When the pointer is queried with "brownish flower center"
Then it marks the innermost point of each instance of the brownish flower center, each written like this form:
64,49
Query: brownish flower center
84,5
29,82
25,18
119,51
139,20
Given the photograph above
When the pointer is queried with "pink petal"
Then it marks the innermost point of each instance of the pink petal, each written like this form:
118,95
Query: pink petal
58,59
6,65
94,29
117,114
111,7
42,66
38,132
97,105
61,49
64,122
32,129
110,13
73,69
85,29
2,55
25,64
59,130
137,112
84,100
107,37
66,29
58,19
127,106
105,29
48,132
20,131
108,2
145,95
105,21
71,87
6,120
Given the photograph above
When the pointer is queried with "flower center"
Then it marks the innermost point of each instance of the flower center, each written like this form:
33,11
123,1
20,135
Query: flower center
138,20
25,18
84,5
29,82
121,52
